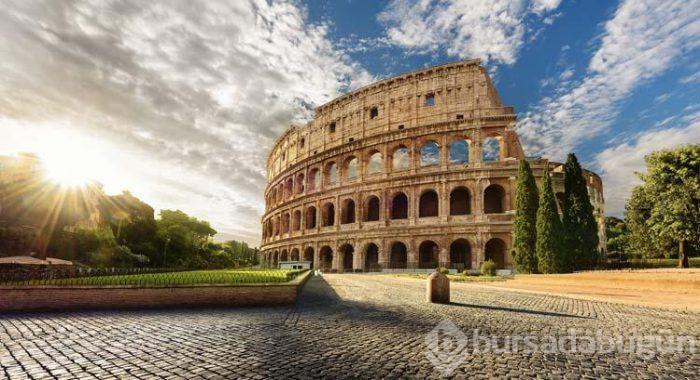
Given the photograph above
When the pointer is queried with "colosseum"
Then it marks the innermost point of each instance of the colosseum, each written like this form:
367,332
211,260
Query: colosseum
409,173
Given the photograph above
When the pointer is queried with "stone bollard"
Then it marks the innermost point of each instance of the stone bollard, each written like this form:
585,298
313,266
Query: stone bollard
438,288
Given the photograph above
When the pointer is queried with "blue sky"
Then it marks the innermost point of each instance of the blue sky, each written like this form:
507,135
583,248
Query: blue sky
179,101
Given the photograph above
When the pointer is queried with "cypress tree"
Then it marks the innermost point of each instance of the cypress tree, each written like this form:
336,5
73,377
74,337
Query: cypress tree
580,226
525,224
549,229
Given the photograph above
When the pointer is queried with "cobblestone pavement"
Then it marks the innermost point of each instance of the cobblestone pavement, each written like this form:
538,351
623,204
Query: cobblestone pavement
344,326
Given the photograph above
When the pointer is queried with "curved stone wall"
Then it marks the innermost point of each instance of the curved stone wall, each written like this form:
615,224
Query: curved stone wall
414,171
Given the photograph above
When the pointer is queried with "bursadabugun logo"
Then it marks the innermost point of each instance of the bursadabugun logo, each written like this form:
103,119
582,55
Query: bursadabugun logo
447,347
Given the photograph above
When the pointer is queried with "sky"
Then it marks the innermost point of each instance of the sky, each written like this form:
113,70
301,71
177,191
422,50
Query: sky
179,101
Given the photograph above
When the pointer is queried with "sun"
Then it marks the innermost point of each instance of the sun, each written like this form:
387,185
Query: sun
72,162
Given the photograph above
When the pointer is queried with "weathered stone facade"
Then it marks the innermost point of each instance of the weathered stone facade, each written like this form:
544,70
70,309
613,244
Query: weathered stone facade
414,171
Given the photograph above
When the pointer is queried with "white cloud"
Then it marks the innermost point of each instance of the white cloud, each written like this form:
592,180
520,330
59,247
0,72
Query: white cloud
492,30
690,79
200,89
640,42
620,164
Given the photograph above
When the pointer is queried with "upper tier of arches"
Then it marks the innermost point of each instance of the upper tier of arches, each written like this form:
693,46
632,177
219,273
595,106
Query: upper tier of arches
397,158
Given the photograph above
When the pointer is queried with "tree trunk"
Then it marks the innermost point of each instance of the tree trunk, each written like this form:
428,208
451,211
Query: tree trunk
682,255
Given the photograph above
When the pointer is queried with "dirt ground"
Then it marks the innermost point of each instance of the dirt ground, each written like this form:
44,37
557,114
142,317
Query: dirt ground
677,289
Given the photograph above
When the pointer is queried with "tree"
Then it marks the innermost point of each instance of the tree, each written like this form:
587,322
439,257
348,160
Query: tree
580,227
549,230
666,206
525,223
616,233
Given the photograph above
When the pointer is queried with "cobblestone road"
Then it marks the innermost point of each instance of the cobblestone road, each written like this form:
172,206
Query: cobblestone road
344,326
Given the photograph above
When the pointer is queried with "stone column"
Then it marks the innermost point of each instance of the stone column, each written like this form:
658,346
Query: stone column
510,194
337,210
357,259
444,256
383,255
444,152
413,203
412,255
443,202
317,257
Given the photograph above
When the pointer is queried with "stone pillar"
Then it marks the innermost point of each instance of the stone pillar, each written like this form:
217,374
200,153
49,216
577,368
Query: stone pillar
414,156
444,152
317,257
412,255
383,254
478,254
337,210
413,203
358,259
444,256
510,194
443,202
336,260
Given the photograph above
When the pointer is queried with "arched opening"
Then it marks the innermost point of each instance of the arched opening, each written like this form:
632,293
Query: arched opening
347,251
401,158
311,217
273,196
491,149
496,251
460,202
283,256
296,221
309,255
314,179
294,256
348,212
285,223
275,259
326,259
299,184
351,168
428,255
399,256
372,214
328,215
428,204
460,255
280,193
331,174
430,154
372,258
374,165
276,226
494,197
399,206
459,152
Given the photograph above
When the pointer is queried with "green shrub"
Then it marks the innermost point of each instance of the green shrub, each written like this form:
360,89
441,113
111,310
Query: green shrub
443,270
488,268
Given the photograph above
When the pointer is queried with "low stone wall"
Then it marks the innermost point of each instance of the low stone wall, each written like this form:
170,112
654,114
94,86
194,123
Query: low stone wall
26,298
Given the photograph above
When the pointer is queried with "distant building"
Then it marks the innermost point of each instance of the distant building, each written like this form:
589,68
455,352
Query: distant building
413,172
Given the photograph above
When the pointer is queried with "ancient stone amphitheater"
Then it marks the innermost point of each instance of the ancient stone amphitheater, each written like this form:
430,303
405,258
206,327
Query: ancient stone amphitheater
411,172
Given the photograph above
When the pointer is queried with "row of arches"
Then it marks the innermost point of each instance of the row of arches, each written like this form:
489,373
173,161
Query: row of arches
460,256
460,201
400,158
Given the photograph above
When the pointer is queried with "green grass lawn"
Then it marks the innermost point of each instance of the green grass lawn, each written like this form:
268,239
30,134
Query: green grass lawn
661,263
195,277
456,277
